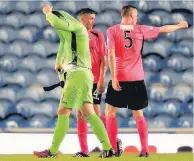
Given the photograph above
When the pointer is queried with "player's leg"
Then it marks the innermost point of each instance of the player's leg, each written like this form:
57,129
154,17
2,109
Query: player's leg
137,101
59,133
142,130
82,131
98,128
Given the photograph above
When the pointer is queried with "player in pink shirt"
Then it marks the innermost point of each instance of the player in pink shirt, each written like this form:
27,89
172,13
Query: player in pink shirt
98,54
126,88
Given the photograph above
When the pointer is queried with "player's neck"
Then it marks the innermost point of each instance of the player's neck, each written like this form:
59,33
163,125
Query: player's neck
126,22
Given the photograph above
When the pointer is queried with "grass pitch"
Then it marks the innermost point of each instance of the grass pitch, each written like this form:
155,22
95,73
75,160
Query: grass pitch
93,157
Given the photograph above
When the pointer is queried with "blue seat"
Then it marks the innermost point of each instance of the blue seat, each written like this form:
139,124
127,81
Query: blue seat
6,108
141,5
187,45
149,111
7,34
95,5
30,34
168,77
45,75
186,5
177,16
186,121
52,95
181,92
3,78
22,78
33,63
73,122
104,19
185,34
37,20
158,5
131,123
186,108
15,20
45,48
179,63
9,63
69,6
37,122
19,48
188,76
49,63
31,94
172,108
26,108
50,34
157,92
6,7
25,7
153,63
101,28
7,94
111,5
161,121
48,108
123,112
40,4
149,76
158,47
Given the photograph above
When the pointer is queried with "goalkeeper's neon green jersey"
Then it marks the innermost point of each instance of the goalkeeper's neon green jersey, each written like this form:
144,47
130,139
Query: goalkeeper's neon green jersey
74,41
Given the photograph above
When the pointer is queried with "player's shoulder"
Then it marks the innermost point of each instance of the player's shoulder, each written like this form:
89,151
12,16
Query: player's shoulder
113,27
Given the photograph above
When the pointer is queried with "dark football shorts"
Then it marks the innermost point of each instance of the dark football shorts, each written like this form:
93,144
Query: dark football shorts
96,95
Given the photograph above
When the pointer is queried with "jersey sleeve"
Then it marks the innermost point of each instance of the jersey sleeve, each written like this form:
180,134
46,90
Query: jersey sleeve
66,23
150,32
110,39
102,44
61,52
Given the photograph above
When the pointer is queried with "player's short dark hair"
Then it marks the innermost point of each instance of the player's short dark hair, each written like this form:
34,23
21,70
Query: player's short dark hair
126,9
85,11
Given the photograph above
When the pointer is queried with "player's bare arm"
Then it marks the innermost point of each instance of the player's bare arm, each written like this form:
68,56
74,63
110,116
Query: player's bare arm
171,28
101,82
112,65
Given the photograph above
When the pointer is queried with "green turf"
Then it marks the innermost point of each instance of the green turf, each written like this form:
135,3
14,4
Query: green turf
129,157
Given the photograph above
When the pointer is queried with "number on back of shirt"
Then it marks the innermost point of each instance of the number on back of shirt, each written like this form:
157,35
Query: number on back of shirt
129,40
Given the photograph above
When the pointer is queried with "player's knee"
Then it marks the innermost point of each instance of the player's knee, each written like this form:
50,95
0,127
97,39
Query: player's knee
64,111
97,110
137,113
110,111
79,115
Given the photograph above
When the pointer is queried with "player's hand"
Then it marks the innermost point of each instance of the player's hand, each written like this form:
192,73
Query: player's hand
101,86
183,24
115,85
58,68
47,9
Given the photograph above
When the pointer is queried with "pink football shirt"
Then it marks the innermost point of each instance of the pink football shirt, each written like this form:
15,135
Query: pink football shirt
128,42
97,50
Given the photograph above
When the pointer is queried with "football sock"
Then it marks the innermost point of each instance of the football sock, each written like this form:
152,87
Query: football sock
99,130
143,133
59,133
112,129
82,131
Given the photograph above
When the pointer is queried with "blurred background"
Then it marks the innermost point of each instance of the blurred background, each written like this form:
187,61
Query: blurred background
28,47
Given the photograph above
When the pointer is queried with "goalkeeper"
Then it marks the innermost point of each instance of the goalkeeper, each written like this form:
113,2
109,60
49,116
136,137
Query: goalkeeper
77,92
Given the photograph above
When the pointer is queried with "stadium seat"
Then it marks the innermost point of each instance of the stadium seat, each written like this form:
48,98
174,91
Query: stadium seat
179,63
186,108
33,63
123,112
158,47
25,7
7,34
15,20
45,75
186,121
30,34
73,122
50,63
159,5
37,122
111,5
9,63
101,28
3,48
6,108
153,63
52,95
6,7
184,34
52,123
50,34
45,48
187,76
40,4
3,78
7,94
22,78
31,94
149,111
36,19
48,108
168,77
177,16
104,19
19,48
161,121
188,47
149,76
141,5
157,92
181,92
185,5
131,123
68,6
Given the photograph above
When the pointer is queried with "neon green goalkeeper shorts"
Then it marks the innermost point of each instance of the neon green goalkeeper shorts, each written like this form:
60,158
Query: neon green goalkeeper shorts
77,89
